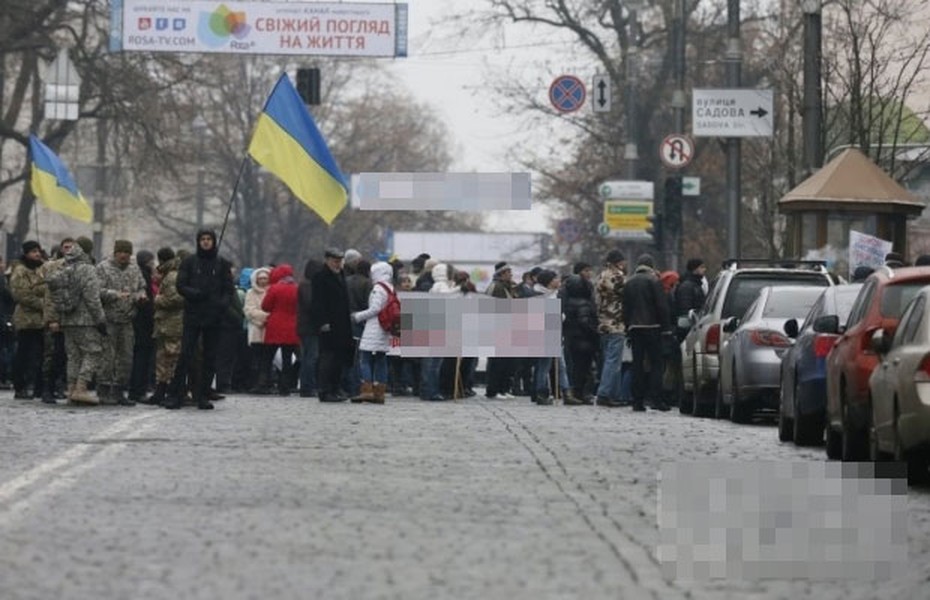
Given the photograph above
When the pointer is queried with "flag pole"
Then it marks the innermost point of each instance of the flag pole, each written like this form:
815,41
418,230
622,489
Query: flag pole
232,199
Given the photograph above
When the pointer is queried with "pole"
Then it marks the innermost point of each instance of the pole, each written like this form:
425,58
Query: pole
813,108
232,198
679,104
733,59
631,150
100,187
200,200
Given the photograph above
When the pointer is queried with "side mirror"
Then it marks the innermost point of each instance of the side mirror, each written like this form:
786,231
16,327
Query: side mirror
827,324
880,341
730,325
791,328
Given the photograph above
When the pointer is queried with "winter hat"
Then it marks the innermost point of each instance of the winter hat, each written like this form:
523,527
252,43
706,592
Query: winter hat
894,259
535,271
165,254
333,252
144,257
500,267
647,260
614,257
694,263
861,273
669,280
30,245
122,246
86,244
352,256
545,277
579,267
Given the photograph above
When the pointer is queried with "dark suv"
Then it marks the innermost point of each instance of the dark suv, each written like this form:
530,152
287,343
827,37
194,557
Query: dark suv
734,288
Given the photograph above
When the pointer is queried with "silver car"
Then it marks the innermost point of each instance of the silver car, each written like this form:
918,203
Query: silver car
750,358
900,390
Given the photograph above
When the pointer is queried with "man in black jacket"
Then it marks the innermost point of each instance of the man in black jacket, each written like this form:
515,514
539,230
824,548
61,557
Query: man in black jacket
690,291
329,318
205,280
646,319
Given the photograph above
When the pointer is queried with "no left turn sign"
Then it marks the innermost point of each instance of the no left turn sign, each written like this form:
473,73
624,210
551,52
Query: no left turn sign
676,151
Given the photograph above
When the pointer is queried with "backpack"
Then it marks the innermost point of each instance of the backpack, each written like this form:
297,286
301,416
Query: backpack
62,289
389,316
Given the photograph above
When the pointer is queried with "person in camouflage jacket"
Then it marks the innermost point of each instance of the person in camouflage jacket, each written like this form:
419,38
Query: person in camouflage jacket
28,290
169,323
609,292
122,289
84,327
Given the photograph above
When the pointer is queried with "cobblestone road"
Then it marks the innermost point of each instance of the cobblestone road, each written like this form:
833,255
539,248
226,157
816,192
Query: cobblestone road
289,498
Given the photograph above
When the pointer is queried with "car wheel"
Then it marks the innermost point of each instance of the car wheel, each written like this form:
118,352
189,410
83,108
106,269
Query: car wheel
855,441
740,412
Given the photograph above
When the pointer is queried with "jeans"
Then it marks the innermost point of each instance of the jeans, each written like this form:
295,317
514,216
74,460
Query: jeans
612,349
309,353
373,366
541,375
429,376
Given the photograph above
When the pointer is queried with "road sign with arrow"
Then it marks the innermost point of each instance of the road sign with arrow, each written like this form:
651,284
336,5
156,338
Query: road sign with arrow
732,113
600,96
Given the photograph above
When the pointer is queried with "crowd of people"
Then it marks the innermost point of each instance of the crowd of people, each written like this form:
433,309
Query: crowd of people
177,327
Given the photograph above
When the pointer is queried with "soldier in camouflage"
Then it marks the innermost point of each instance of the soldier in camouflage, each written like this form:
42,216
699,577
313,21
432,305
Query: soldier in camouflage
28,289
169,322
84,327
122,289
54,359
609,292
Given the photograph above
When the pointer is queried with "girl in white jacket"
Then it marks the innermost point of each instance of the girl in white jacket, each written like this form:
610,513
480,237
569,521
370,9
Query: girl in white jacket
262,355
375,342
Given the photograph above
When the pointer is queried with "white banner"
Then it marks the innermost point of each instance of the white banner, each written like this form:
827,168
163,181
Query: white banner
866,251
331,29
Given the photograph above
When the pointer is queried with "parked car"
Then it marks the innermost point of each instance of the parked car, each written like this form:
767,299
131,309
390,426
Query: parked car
732,291
900,391
750,359
803,391
850,363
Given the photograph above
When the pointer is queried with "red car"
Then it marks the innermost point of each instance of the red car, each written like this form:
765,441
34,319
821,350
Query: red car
851,360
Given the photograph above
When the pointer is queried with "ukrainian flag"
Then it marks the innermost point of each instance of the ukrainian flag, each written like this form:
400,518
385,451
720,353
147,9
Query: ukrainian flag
53,185
287,143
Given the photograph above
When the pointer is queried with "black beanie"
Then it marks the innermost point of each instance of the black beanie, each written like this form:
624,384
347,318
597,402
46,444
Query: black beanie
579,267
694,263
545,277
647,260
165,254
30,245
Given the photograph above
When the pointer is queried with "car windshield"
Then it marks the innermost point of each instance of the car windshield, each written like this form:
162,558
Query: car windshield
744,289
790,303
896,297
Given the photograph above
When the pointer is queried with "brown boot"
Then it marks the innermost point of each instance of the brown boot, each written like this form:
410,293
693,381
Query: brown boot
80,395
365,394
70,390
378,390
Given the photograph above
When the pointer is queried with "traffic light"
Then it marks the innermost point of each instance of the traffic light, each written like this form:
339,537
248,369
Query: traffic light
655,229
673,196
308,85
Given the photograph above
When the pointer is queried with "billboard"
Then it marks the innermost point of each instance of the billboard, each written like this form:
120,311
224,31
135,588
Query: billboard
301,28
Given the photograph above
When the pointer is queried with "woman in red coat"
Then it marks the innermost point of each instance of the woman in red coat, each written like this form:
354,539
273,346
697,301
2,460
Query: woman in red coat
280,302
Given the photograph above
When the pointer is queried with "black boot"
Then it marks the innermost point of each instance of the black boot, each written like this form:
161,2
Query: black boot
47,396
119,394
105,394
158,398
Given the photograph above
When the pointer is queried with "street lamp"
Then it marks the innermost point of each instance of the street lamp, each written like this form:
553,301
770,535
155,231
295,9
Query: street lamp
631,148
199,129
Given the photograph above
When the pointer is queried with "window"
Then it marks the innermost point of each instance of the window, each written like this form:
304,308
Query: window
744,289
863,301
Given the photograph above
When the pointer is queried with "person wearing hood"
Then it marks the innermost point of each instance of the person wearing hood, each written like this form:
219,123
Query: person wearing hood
547,284
280,302
309,340
646,319
425,280
690,292
262,357
205,281
168,326
431,366
579,330
143,325
85,326
122,290
28,290
375,341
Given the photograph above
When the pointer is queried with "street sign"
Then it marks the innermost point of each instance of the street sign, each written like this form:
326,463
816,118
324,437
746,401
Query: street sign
732,113
568,231
600,93
690,186
627,204
676,151
567,93
627,189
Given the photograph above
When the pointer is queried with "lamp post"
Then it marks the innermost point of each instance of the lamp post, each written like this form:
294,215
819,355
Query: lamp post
631,148
199,129
813,111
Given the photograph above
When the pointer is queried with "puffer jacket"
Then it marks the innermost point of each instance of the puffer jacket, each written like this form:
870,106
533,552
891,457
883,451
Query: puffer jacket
374,338
580,324
116,280
28,289
645,303
280,302
253,307
441,283
89,310
169,304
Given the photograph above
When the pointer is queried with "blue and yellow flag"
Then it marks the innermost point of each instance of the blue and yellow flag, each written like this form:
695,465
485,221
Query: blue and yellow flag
52,183
287,143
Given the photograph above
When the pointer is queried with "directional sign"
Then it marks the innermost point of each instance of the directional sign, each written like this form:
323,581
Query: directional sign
600,93
690,186
626,206
676,151
567,93
732,113
627,189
